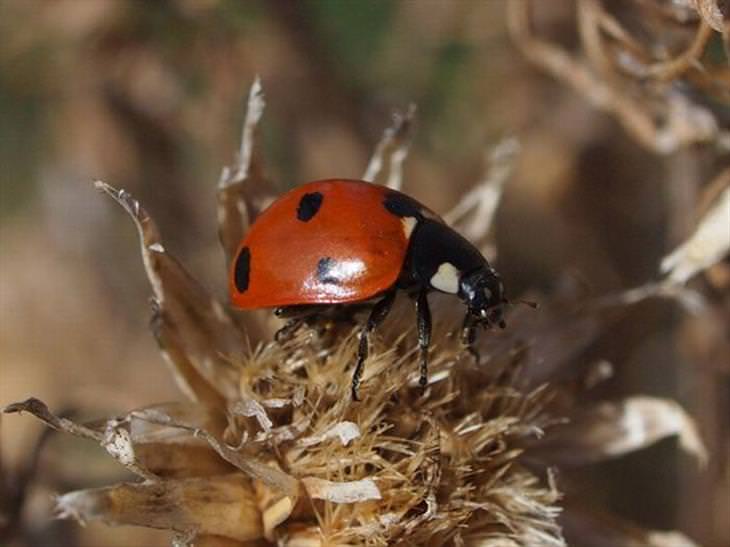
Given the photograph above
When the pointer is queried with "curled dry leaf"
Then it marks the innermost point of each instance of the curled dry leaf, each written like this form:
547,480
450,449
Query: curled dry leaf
386,165
189,323
115,438
608,430
223,505
252,408
341,492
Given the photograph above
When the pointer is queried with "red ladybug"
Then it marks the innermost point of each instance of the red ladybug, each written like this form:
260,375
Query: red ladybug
334,242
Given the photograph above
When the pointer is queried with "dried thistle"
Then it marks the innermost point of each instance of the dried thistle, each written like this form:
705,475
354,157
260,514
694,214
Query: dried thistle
269,449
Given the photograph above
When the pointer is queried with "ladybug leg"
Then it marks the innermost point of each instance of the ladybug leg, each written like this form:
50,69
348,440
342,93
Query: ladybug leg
297,316
423,317
468,336
377,315
289,328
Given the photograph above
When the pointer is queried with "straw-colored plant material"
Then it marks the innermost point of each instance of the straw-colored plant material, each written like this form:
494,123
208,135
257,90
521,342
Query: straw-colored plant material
705,247
271,449
708,244
613,66
473,215
712,14
386,165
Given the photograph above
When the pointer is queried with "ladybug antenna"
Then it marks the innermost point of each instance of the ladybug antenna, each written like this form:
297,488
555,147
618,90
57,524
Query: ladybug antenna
530,303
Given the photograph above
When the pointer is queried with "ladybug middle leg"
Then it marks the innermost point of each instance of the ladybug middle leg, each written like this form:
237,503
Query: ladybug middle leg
379,312
296,317
468,336
423,318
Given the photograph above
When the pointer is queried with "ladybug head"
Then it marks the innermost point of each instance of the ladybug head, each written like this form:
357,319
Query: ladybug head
483,293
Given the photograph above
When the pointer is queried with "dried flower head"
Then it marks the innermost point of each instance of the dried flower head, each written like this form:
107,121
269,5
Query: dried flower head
268,448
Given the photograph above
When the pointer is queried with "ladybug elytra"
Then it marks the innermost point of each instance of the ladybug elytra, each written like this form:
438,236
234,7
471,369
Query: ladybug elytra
343,242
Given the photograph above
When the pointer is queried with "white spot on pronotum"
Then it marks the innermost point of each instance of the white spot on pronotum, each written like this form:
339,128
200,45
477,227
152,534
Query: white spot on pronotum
409,223
446,278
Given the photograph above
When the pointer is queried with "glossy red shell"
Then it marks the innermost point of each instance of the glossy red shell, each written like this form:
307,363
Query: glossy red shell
363,244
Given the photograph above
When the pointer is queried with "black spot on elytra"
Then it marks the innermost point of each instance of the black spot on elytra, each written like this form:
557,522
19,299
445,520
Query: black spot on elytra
402,206
326,270
242,269
309,205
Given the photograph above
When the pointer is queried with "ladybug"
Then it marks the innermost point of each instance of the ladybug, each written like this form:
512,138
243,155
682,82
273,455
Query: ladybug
331,243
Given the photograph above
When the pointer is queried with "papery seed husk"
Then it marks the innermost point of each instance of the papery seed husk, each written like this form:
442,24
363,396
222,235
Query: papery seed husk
223,505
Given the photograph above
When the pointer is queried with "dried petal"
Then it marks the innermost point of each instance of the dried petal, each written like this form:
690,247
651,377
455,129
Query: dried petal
709,243
474,214
252,408
189,323
346,431
243,191
386,165
341,492
609,430
223,505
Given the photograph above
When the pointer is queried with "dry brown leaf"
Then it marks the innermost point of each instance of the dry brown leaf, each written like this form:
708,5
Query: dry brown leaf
115,437
223,505
612,429
190,323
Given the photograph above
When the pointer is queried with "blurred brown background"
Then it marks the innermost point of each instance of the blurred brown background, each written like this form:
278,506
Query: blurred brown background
149,96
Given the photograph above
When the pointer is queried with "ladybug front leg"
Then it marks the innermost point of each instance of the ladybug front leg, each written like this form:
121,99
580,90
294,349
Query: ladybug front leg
423,318
468,336
377,315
